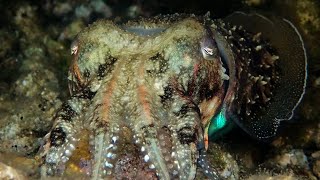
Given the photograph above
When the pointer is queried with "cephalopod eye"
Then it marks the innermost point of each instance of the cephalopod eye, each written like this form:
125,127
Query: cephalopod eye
74,47
208,46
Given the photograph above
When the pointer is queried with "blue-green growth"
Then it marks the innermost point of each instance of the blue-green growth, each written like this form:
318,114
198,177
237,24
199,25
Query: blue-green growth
217,122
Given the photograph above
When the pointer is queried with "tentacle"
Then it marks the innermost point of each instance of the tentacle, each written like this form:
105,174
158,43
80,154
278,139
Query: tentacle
153,152
185,156
105,148
167,144
162,151
61,141
207,169
117,156
59,154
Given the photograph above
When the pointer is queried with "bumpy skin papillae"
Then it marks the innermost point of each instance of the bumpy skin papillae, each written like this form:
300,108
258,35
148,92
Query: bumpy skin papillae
270,71
152,88
147,91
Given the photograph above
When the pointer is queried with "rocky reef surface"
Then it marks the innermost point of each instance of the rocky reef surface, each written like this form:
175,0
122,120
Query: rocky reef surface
35,55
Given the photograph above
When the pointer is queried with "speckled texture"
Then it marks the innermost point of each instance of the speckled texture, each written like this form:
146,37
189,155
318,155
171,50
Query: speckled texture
33,93
154,84
54,25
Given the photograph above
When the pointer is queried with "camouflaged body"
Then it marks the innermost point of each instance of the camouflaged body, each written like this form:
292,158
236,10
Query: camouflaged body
146,91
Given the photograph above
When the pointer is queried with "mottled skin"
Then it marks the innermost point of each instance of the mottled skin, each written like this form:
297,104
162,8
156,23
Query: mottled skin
146,91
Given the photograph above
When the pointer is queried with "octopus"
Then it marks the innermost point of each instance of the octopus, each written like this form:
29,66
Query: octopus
147,95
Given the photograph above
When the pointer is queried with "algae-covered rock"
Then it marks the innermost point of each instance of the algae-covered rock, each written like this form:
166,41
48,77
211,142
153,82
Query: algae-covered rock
7,172
223,161
29,104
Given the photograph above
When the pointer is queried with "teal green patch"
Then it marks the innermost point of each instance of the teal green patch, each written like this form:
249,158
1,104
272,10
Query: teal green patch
217,122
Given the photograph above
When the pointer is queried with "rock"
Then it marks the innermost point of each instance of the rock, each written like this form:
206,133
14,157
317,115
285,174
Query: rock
7,172
264,176
223,161
315,157
295,157
316,168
